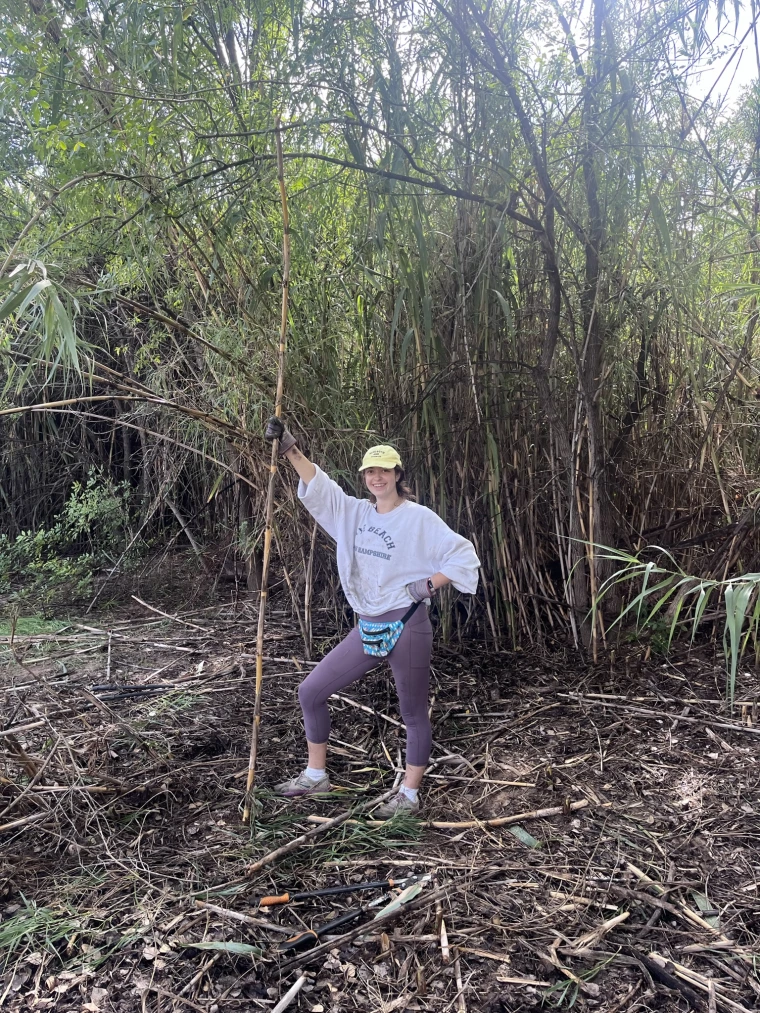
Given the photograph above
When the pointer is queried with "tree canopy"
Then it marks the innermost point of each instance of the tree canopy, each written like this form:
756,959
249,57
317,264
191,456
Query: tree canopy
523,250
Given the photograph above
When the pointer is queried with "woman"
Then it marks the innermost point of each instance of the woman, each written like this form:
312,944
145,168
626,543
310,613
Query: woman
391,554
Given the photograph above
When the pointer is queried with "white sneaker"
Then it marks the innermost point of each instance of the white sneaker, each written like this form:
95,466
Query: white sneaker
302,785
399,803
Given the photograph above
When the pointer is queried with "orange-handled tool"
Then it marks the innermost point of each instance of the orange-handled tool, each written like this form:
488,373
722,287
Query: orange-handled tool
310,937
331,891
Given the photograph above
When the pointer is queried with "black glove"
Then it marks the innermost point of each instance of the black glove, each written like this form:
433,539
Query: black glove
276,430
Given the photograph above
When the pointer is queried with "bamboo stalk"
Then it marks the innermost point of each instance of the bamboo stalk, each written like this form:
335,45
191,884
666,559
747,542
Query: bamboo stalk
272,474
293,991
499,821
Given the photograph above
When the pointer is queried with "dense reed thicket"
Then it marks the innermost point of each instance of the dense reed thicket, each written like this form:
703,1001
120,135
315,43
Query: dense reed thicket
522,251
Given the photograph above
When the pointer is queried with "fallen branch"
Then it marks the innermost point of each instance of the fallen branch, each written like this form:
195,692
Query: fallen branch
661,974
35,779
290,995
535,982
503,821
26,819
679,909
661,715
10,732
175,998
238,916
197,977
589,940
499,821
501,958
174,619
447,754
587,987
459,997
698,980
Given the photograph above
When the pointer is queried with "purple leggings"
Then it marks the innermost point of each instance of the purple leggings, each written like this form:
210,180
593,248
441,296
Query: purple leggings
410,664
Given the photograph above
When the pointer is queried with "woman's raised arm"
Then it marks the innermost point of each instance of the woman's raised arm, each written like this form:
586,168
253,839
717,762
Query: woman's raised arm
276,430
302,464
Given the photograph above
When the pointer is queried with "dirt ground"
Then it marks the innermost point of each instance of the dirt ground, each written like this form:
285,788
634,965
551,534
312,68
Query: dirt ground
123,857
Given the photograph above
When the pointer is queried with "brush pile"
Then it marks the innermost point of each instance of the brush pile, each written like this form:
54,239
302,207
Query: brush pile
125,870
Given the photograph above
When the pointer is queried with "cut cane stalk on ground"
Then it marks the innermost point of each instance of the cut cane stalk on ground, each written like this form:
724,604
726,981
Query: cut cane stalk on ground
583,855
272,475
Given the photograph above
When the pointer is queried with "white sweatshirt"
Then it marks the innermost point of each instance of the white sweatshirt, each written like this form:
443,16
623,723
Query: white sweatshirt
379,554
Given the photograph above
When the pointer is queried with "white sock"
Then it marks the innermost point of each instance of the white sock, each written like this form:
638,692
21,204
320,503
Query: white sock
314,773
411,793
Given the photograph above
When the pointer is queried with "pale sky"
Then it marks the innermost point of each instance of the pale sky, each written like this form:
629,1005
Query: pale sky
734,71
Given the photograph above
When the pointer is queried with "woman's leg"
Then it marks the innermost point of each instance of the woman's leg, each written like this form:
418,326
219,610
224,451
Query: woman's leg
343,665
410,663
317,754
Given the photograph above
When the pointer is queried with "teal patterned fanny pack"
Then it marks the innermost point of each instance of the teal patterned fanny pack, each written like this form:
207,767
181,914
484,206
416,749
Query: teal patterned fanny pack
379,639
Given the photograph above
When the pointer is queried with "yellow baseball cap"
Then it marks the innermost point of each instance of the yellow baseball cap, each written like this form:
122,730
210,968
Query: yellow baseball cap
381,457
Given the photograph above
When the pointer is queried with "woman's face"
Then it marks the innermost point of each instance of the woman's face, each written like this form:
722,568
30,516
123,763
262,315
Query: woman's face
381,482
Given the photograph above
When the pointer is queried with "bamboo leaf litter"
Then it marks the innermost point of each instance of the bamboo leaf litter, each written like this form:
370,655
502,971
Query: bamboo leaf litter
171,820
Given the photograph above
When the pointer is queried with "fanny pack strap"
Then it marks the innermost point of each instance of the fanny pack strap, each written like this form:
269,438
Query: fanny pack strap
405,619
407,615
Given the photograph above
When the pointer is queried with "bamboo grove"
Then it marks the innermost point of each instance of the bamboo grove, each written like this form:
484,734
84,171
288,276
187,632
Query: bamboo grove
522,250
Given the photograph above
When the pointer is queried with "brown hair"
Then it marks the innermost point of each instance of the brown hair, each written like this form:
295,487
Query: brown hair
402,489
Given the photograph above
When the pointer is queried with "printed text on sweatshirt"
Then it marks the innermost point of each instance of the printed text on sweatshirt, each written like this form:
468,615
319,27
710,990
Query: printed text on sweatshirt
379,554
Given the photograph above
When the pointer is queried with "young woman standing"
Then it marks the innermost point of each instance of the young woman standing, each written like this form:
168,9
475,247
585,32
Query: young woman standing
393,556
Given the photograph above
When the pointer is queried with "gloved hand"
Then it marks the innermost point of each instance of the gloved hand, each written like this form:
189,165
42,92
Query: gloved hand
276,430
418,590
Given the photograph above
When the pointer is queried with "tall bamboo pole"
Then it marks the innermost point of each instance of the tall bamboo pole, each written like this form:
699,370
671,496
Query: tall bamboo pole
272,476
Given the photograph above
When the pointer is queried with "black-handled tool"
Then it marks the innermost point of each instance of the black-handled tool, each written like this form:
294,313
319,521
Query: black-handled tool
310,937
331,891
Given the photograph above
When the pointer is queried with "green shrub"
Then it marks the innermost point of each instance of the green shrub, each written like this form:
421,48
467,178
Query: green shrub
60,560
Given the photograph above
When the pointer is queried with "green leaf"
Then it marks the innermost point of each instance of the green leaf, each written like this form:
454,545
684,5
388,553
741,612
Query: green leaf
506,308
222,946
403,898
524,837
396,314
704,905
33,292
736,599
13,301
405,348
704,596
215,487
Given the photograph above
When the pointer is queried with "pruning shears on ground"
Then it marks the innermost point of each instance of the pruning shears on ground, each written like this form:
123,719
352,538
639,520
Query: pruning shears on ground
412,885
332,891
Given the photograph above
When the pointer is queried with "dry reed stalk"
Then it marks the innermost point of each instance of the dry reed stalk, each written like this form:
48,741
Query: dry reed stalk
205,966
499,821
36,778
269,510
290,995
293,594
238,916
692,977
23,821
461,1004
309,590
445,951
30,765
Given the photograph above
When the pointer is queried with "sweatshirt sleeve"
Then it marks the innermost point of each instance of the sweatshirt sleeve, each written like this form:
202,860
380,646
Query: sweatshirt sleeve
325,501
454,557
